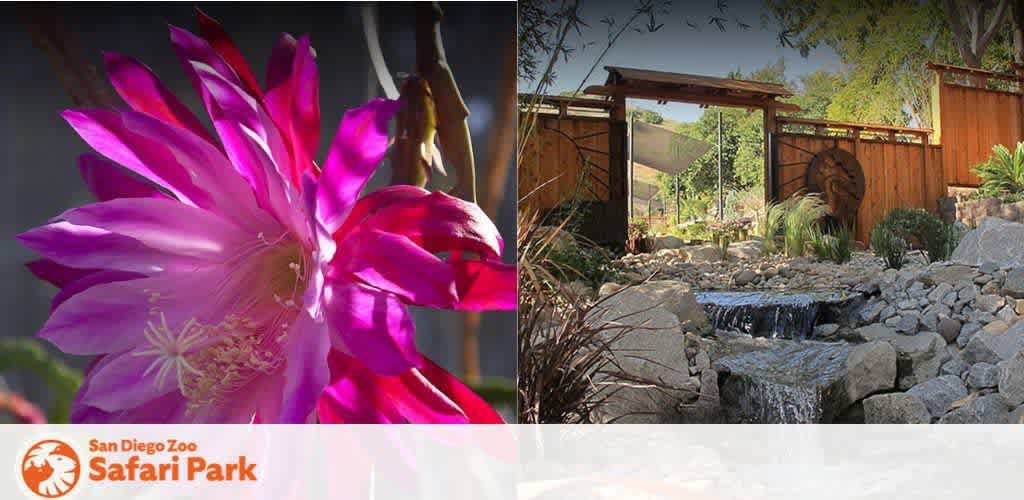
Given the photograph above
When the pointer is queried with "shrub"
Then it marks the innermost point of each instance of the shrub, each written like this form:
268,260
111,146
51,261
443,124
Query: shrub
1003,173
636,236
888,244
799,221
836,246
771,226
587,262
937,238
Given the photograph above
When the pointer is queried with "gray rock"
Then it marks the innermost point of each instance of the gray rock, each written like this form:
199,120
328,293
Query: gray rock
870,368
994,240
988,267
895,408
1017,416
1008,313
744,277
652,352
988,303
702,361
908,323
949,328
874,331
940,291
948,274
825,330
919,357
993,347
954,366
966,332
747,250
1011,380
939,393
1013,285
608,289
983,376
871,311
989,409
667,243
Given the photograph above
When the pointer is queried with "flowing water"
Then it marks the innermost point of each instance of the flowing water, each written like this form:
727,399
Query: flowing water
773,314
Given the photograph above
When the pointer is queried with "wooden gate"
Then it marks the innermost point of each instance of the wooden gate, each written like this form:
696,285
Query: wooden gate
898,166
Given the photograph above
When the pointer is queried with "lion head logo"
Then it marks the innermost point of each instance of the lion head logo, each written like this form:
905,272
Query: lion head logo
50,468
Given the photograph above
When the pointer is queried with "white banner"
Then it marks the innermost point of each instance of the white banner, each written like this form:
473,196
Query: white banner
510,462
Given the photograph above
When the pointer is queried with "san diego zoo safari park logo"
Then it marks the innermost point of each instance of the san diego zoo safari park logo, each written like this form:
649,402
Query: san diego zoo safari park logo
50,468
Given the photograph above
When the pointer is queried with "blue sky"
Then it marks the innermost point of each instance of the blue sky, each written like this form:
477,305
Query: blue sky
679,48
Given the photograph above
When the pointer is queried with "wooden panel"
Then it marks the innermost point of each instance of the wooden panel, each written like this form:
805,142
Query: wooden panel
569,154
896,174
972,121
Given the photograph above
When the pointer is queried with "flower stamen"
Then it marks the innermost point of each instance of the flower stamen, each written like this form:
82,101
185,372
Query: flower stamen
171,349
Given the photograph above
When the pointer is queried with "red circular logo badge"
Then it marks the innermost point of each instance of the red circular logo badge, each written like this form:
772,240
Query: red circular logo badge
50,468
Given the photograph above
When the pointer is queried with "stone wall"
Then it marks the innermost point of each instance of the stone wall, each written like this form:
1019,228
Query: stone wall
970,212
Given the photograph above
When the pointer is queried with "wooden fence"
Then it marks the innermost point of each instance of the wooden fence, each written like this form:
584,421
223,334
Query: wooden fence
900,167
973,110
576,152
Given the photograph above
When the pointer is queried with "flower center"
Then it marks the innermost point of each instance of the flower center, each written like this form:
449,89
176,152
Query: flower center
258,299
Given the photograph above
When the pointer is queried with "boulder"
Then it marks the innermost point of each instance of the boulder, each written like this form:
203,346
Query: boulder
951,274
649,352
938,394
674,296
791,382
908,323
994,240
704,253
744,277
1013,285
874,331
870,368
990,347
608,289
747,250
988,303
667,243
871,311
919,357
895,408
1017,416
983,376
990,409
1011,379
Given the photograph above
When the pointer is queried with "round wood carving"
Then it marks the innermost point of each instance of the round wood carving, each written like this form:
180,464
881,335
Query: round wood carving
837,175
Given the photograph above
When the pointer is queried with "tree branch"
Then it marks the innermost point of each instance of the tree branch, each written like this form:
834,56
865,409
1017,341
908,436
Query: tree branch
452,113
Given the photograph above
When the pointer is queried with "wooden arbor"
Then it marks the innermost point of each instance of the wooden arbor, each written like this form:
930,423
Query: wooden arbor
624,83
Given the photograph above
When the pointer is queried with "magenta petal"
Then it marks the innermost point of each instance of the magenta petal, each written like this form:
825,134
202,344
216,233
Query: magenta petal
212,31
294,103
306,373
439,223
485,286
475,408
108,181
376,200
374,326
143,91
193,170
88,281
190,48
110,317
87,247
119,383
356,395
395,264
164,225
357,149
56,274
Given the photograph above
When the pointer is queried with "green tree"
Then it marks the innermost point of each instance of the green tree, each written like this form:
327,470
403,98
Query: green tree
645,115
884,45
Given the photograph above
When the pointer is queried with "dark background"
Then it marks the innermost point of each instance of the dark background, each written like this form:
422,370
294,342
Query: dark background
39,172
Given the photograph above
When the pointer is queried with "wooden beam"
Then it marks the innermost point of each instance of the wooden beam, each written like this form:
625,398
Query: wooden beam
696,97
949,68
852,125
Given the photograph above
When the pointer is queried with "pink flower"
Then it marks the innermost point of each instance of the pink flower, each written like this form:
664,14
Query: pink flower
233,279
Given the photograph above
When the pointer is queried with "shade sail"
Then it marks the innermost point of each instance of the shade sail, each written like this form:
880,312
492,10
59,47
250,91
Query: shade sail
664,150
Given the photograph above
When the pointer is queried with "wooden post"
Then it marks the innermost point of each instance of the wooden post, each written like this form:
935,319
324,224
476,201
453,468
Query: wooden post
769,169
721,193
619,169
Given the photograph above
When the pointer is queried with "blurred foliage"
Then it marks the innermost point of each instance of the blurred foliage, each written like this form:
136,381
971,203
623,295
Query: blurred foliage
496,390
29,355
